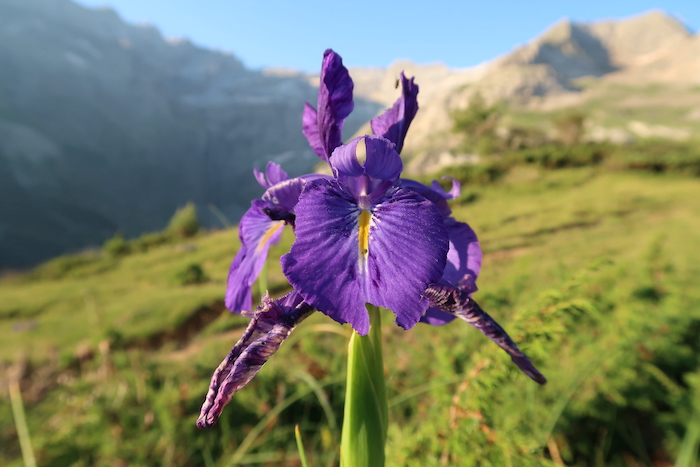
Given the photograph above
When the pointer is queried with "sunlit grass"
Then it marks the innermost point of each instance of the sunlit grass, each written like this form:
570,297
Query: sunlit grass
593,272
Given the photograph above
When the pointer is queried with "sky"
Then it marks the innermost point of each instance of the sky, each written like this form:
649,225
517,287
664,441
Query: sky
294,33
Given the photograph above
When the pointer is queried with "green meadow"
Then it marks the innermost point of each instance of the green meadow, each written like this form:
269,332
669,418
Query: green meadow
593,270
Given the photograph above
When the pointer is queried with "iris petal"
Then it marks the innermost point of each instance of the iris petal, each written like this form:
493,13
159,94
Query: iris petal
454,192
464,257
462,269
394,122
456,300
257,233
334,105
370,178
407,250
309,127
272,176
270,326
426,192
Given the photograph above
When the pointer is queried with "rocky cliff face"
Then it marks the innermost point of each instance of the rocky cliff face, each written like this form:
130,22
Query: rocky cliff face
107,126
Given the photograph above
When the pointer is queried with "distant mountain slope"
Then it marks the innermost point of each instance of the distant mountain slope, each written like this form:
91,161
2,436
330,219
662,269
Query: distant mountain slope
546,73
106,126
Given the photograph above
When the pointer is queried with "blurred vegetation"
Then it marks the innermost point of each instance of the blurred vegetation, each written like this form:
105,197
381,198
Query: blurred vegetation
591,263
569,126
191,274
477,123
183,225
184,222
117,246
509,146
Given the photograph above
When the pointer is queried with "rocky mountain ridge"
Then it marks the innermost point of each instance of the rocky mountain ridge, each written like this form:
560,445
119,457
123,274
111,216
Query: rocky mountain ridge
545,74
107,126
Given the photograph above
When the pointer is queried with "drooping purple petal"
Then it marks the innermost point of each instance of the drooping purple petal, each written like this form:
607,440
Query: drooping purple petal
334,105
406,246
435,317
462,268
273,175
456,300
257,233
394,122
465,254
464,258
270,326
430,194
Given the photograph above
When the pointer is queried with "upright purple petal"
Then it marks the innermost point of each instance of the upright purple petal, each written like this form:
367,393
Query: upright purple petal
456,300
273,175
270,326
383,162
454,192
309,127
371,178
334,105
257,233
345,162
394,122
260,177
337,267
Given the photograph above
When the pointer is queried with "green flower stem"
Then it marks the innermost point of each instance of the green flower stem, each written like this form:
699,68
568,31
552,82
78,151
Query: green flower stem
366,414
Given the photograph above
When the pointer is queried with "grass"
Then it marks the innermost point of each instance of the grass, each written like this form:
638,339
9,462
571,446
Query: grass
614,105
593,272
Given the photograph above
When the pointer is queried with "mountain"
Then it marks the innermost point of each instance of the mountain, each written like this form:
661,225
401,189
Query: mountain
616,70
107,126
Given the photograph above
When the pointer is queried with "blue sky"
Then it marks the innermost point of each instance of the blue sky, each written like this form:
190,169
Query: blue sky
293,34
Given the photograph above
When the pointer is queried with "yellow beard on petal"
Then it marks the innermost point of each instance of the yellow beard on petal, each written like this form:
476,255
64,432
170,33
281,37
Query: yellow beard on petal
363,234
270,232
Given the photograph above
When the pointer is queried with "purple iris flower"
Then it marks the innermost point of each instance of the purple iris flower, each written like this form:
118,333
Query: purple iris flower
364,235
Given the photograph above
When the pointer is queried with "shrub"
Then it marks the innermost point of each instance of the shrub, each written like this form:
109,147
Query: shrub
190,274
556,155
477,124
184,222
655,155
117,246
569,126
482,173
152,239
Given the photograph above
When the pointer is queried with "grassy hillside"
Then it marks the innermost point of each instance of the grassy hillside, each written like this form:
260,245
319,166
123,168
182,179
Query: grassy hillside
663,110
593,271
